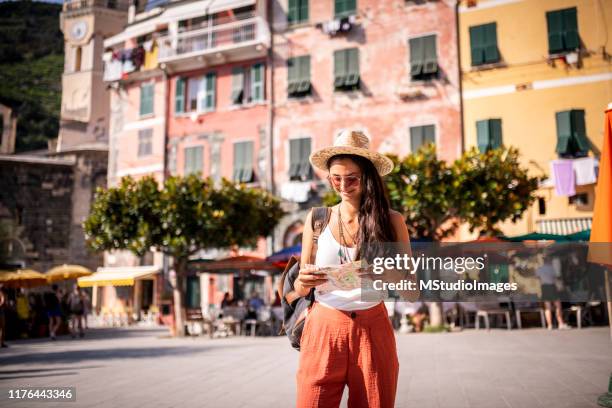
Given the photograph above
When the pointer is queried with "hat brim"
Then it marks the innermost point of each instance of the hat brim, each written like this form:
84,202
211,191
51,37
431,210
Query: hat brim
383,164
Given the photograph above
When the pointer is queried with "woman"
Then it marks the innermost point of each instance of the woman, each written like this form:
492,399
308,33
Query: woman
346,340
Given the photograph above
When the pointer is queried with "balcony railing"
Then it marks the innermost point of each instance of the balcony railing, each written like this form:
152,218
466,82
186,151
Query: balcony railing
73,5
563,226
213,39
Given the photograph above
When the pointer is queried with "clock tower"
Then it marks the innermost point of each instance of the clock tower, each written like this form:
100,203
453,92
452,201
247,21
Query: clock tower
85,99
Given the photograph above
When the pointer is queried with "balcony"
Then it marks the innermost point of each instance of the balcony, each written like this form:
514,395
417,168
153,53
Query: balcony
74,5
233,41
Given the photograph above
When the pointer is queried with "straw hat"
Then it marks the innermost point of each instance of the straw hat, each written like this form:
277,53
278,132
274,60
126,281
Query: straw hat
352,142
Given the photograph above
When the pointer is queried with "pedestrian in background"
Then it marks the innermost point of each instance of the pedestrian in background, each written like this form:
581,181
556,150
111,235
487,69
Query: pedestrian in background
77,308
54,310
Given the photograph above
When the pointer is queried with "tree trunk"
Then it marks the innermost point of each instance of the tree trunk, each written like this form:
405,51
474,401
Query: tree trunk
177,290
435,314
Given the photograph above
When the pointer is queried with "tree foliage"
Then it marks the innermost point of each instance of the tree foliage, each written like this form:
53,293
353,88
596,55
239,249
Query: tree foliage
185,215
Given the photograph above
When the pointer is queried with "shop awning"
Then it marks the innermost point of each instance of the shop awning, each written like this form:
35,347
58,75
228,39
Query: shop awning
234,264
118,276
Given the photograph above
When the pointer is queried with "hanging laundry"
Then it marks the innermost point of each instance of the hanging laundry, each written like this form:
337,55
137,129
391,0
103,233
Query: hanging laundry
147,45
563,174
585,170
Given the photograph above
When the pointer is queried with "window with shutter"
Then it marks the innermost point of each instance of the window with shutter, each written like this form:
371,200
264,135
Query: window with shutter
257,83
179,98
483,44
298,76
488,134
572,140
210,91
145,142
346,69
344,8
193,88
243,162
146,99
193,160
423,57
299,166
238,86
562,31
421,136
297,11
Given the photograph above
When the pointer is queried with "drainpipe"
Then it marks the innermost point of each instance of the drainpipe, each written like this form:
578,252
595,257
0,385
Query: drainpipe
270,58
164,68
457,28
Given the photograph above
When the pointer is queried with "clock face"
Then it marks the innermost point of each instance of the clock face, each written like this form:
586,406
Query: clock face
79,29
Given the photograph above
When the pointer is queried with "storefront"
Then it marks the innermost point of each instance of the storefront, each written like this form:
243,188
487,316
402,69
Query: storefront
131,293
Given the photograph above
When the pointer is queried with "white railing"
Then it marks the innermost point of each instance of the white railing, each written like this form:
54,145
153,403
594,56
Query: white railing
214,38
71,5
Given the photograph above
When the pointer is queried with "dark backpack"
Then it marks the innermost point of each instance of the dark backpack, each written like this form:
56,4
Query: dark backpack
294,314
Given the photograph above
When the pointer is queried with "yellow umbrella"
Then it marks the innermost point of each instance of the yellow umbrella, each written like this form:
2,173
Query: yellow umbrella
22,278
66,272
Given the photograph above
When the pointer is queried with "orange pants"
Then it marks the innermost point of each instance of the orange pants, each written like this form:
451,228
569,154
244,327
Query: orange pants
340,348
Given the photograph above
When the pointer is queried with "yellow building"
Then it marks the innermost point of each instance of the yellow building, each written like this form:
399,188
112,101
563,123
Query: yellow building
537,75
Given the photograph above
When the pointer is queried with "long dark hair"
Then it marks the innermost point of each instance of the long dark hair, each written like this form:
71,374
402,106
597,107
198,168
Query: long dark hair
374,217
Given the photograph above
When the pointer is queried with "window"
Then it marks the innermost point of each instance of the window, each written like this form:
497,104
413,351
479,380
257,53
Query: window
257,81
421,136
423,57
571,134
78,57
580,199
243,162
483,44
343,8
146,99
238,85
298,76
248,84
488,134
179,96
200,94
346,69
297,12
541,206
562,31
145,142
192,300
193,160
299,166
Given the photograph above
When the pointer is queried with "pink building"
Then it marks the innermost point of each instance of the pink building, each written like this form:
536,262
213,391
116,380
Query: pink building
388,68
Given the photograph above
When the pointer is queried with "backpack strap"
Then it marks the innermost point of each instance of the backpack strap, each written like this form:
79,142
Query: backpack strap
320,219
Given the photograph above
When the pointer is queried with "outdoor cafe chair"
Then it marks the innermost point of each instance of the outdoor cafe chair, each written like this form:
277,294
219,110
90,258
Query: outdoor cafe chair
528,307
491,309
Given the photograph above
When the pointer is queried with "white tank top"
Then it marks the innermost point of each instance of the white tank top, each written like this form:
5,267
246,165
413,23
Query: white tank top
327,254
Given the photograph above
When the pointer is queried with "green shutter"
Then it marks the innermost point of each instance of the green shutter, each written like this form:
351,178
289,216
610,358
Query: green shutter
210,91
304,74
292,75
417,56
430,60
491,52
293,12
247,166
477,45
554,21
343,8
294,158
146,99
571,41
257,82
579,131
339,8
482,135
238,160
416,138
339,68
429,134
352,64
303,10
495,133
237,85
564,132
179,98
304,170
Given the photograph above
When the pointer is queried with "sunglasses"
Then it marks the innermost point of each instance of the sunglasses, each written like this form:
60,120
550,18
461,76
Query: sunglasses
349,181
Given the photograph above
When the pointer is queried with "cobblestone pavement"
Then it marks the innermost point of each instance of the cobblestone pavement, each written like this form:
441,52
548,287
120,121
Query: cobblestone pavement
142,367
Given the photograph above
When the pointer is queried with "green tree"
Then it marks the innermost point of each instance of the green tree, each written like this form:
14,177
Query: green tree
492,187
183,217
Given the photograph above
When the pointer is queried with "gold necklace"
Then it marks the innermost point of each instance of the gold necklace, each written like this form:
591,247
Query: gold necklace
345,255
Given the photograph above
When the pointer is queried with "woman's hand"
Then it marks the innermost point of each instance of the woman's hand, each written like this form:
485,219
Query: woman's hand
308,279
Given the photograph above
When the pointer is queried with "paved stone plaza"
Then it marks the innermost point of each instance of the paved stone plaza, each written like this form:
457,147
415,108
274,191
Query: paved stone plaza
140,367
